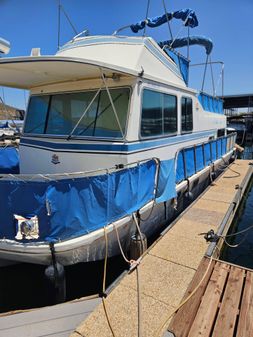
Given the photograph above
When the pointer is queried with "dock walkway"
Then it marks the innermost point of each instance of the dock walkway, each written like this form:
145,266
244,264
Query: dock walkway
222,305
168,267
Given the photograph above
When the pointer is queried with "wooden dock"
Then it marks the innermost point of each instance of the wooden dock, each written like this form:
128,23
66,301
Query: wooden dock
222,305
170,266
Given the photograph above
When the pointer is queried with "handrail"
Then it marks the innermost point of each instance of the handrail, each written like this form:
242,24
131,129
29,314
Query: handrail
220,77
72,175
120,29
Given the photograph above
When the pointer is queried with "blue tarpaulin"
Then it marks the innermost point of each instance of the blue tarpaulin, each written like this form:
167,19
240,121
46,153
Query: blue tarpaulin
214,150
219,148
187,15
78,206
9,160
207,151
5,125
166,188
195,158
199,158
190,162
224,146
181,62
210,103
180,171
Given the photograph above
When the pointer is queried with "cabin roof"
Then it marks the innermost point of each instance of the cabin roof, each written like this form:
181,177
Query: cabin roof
85,58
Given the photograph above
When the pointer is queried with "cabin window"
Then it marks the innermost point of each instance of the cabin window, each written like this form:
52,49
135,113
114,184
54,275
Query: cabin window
61,112
36,114
186,114
159,114
220,132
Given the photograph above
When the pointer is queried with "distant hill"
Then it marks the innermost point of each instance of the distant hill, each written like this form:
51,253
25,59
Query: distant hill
9,112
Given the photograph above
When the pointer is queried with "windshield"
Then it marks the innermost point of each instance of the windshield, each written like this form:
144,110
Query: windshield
60,113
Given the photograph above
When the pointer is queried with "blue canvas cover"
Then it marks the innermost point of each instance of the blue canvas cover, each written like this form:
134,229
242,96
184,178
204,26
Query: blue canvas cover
189,40
207,151
180,172
214,150
190,161
181,62
166,188
224,145
199,158
219,148
210,103
78,206
5,125
187,15
9,160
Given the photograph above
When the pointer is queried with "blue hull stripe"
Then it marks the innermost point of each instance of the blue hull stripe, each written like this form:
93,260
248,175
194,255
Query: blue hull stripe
123,148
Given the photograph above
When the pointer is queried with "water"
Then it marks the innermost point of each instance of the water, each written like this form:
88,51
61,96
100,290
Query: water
243,254
23,286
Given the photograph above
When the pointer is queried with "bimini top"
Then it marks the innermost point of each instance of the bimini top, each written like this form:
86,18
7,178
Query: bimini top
85,58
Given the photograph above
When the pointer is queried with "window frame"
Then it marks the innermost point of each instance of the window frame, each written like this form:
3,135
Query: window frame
163,135
78,137
181,110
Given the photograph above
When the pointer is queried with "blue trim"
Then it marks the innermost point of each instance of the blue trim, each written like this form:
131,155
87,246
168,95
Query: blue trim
145,42
115,148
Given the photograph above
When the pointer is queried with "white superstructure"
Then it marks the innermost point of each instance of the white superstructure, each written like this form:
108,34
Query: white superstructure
136,64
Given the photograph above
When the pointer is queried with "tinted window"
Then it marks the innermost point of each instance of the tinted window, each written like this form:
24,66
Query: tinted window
59,114
170,113
186,114
36,114
221,132
159,114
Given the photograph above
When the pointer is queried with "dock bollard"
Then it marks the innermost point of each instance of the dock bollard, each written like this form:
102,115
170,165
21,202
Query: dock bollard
138,245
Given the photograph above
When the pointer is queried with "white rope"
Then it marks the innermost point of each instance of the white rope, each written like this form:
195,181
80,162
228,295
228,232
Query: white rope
84,113
104,282
120,246
146,18
112,104
167,18
211,67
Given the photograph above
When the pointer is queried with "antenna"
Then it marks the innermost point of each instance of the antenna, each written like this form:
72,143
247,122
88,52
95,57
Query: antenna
61,9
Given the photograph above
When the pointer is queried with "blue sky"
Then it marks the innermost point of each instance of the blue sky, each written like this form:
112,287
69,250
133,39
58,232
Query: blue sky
33,23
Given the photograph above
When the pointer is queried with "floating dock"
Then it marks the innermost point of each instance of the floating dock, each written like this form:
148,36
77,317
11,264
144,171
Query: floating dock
54,321
221,307
145,301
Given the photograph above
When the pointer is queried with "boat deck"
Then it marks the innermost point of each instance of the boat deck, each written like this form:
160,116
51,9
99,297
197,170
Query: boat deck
221,307
169,266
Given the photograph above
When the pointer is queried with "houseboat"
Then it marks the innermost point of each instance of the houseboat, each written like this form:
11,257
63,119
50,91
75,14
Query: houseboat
113,137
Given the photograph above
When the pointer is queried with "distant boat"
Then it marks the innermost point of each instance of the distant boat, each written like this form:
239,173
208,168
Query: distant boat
112,135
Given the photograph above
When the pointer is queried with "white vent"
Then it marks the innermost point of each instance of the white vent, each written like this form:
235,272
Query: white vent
35,52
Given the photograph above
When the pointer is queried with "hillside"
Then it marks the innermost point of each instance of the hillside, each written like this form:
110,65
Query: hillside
9,112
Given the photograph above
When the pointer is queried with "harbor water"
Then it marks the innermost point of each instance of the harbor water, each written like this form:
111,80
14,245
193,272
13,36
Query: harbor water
239,247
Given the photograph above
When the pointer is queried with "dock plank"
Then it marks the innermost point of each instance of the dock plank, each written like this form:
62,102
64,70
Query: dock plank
226,320
58,320
181,323
245,324
205,317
